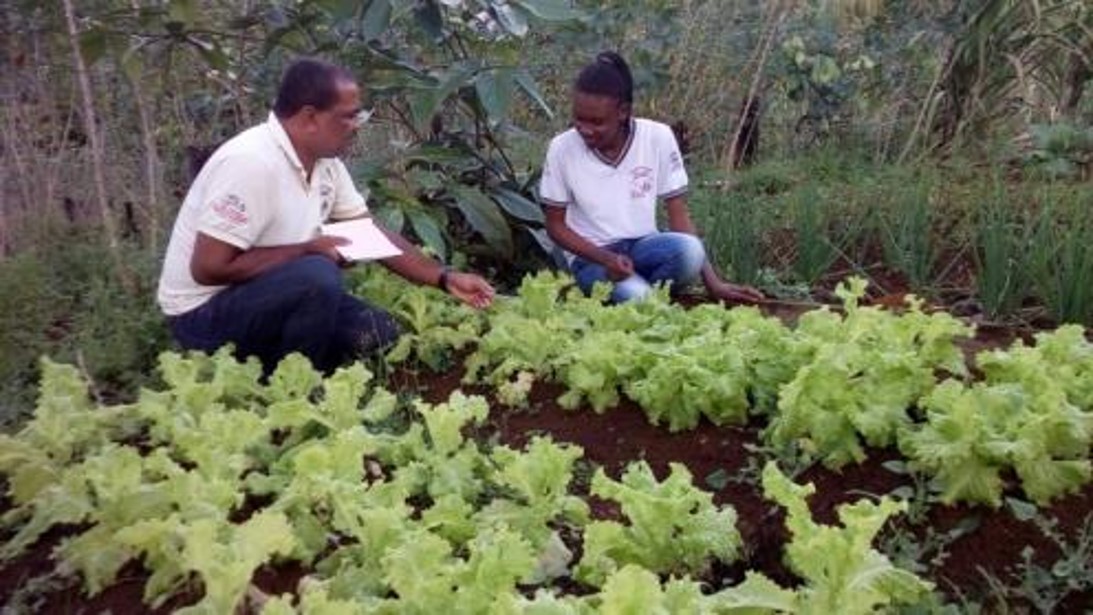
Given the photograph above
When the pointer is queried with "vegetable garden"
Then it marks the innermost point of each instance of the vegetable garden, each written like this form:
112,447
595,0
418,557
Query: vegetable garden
557,455
905,427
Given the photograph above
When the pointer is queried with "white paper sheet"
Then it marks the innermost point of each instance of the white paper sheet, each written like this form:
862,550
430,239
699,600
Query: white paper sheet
367,241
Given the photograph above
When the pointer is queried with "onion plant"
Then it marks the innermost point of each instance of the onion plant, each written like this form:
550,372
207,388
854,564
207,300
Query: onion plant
998,254
820,236
905,229
1060,256
735,231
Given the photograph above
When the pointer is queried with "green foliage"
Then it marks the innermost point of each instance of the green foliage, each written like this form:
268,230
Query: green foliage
25,328
487,521
449,75
1060,259
813,75
816,249
1061,151
735,226
61,301
672,527
1023,415
1038,39
907,234
862,374
1000,247
1047,588
841,572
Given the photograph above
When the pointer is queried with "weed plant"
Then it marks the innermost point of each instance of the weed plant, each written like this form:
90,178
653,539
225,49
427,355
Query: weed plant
1047,587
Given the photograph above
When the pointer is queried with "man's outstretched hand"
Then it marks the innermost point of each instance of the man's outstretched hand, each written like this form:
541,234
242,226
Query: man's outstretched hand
470,288
736,293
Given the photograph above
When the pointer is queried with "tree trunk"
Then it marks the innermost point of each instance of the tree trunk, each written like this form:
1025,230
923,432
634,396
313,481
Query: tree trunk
778,15
95,141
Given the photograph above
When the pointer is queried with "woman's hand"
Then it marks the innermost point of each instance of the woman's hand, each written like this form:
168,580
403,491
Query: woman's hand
735,293
470,289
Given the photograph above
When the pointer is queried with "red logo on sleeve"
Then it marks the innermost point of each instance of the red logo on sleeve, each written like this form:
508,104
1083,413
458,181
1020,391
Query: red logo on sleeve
230,209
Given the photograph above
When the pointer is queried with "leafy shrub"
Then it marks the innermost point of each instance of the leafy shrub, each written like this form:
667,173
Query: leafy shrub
64,301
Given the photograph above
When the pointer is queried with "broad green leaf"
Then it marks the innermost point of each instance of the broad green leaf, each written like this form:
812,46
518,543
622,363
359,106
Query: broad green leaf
402,8
377,17
428,16
518,206
429,230
510,18
340,10
484,216
494,90
445,156
757,594
427,102
527,84
672,526
1022,510
550,10
717,479
825,70
391,218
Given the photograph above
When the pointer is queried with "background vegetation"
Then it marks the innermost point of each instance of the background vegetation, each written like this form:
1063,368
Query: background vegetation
940,147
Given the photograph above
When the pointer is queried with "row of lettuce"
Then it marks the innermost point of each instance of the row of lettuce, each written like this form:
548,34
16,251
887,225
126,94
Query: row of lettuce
836,383
390,507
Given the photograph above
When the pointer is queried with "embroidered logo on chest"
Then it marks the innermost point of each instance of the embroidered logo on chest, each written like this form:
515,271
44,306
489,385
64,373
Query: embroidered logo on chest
641,182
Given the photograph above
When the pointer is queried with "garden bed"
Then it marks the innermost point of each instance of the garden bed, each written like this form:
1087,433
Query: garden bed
1014,555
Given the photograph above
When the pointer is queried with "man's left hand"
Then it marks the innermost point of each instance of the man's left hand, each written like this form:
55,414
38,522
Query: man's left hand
470,289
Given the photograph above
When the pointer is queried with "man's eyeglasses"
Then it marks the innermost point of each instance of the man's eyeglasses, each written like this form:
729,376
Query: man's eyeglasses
359,117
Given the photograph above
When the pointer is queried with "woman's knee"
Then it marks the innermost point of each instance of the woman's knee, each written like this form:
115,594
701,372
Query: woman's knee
670,257
630,289
692,255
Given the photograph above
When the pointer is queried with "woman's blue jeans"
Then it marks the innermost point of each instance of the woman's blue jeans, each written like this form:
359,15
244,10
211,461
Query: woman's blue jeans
675,258
300,306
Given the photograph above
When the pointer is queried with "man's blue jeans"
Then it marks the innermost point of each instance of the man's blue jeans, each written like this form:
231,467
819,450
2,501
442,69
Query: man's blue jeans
675,258
300,306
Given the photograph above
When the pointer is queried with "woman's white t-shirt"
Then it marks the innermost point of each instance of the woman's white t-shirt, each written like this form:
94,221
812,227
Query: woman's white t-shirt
607,202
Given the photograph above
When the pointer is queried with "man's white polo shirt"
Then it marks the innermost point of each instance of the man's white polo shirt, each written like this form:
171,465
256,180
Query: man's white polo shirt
606,202
253,192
